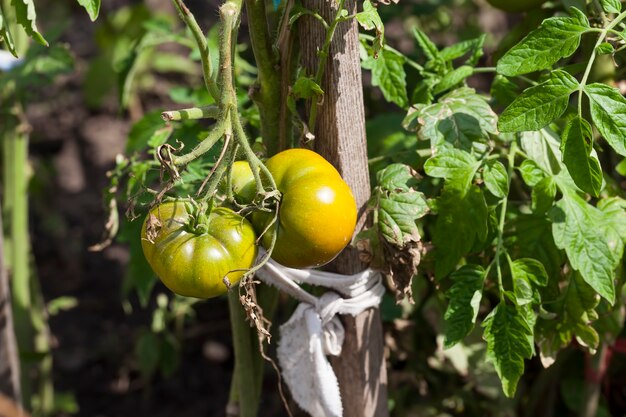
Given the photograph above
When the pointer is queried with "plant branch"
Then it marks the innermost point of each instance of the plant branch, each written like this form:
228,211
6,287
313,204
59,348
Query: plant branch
214,135
205,53
266,90
321,64
255,163
193,113
285,46
592,58
243,395
500,245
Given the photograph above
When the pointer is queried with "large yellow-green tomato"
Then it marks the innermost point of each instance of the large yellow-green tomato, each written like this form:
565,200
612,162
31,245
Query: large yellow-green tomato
516,6
317,212
194,261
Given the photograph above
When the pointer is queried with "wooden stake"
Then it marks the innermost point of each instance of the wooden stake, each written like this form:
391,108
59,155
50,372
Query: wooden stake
340,138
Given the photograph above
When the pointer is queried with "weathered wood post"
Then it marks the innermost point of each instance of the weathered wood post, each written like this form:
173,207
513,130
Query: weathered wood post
340,138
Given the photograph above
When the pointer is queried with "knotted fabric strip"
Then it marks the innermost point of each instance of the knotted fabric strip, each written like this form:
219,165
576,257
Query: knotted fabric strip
315,331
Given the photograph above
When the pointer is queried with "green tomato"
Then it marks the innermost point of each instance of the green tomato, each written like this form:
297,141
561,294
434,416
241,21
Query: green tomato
516,6
243,184
317,212
194,261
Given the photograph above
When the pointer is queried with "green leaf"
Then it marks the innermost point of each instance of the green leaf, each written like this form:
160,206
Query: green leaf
388,74
573,315
496,178
26,16
396,177
530,270
41,66
5,33
149,130
369,19
580,300
543,148
526,273
397,214
579,229
608,111
587,336
621,168
579,304
427,46
503,90
459,214
170,62
92,7
453,78
139,274
605,48
611,6
474,47
399,205
147,352
556,38
542,197
576,146
530,236
137,53
539,105
459,119
509,341
454,165
306,88
522,292
614,210
465,295
63,303
532,174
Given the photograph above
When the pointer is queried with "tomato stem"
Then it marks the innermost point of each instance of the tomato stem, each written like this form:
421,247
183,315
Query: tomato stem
244,392
214,135
500,245
266,90
205,53
192,113
603,34
323,59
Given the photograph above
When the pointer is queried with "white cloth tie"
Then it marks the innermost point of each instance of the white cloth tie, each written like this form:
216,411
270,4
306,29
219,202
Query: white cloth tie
315,331
8,61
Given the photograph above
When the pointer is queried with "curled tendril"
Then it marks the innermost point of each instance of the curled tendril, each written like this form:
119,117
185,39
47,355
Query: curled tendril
164,154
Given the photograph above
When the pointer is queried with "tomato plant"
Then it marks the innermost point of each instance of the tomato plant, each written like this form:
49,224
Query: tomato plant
317,212
498,197
194,253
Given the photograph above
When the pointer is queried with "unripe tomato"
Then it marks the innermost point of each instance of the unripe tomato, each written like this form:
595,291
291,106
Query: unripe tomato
516,6
194,262
242,183
317,212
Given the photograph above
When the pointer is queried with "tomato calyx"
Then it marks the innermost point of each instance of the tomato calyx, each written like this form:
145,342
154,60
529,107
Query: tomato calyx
199,216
